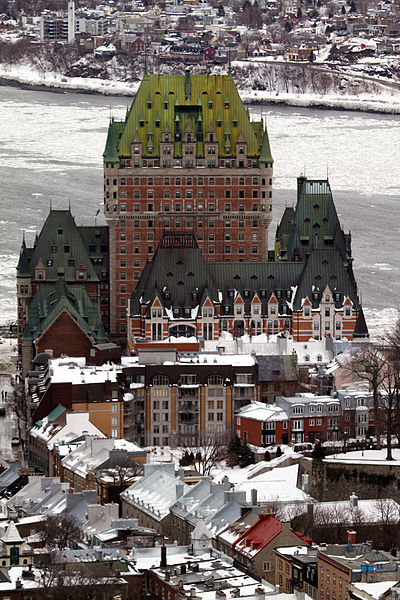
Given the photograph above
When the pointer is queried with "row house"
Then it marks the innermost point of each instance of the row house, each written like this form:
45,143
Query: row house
213,504
251,542
150,498
296,570
306,418
60,426
86,466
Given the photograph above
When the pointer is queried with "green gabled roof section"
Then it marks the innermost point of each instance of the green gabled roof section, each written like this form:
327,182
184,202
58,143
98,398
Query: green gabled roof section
23,269
50,300
313,224
361,329
51,417
61,243
110,153
325,268
188,98
266,154
177,270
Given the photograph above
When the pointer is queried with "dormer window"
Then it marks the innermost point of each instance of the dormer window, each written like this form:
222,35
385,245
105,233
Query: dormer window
141,123
167,295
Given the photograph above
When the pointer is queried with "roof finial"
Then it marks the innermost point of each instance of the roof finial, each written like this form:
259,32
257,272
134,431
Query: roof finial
69,203
145,64
229,63
327,171
50,207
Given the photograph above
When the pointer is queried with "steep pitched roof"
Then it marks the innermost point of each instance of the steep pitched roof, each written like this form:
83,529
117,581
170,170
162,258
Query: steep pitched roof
361,329
325,268
50,300
60,248
259,535
313,224
196,103
12,535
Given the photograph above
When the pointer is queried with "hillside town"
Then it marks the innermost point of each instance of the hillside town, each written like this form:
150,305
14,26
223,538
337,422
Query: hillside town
192,406
275,46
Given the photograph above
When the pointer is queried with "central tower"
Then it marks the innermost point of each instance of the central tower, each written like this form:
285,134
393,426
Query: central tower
187,157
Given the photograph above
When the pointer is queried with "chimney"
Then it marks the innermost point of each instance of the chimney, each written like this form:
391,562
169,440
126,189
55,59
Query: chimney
163,562
179,490
351,539
353,500
254,497
310,511
304,483
259,593
167,576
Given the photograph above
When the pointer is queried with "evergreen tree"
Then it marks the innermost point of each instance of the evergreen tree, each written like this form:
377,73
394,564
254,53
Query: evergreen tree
246,456
318,453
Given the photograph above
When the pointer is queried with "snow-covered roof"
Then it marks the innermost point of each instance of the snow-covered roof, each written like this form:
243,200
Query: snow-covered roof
259,411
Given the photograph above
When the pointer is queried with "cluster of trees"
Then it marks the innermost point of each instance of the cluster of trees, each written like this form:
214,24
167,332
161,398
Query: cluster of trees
379,366
211,449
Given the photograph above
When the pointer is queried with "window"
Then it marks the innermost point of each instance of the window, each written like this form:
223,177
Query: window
266,565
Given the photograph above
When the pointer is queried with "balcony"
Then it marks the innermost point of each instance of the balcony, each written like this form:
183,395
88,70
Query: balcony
188,407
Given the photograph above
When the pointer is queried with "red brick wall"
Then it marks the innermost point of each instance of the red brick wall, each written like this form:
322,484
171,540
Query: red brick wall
64,336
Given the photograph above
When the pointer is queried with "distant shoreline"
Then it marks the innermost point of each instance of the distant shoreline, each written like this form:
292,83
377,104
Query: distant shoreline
372,106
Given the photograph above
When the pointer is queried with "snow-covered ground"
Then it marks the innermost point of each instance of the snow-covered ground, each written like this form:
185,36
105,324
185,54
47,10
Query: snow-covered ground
375,457
383,99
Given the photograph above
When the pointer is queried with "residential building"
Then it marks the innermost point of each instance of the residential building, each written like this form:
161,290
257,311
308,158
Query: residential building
252,545
296,570
84,467
60,425
84,389
340,566
149,499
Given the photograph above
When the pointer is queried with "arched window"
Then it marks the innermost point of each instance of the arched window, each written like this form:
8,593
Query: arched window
215,380
160,380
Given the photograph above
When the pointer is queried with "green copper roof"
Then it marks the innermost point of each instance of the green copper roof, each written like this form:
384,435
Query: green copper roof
110,153
197,103
50,300
59,250
312,224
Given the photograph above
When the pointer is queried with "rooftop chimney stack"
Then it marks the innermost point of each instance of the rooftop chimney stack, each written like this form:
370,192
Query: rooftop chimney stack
163,562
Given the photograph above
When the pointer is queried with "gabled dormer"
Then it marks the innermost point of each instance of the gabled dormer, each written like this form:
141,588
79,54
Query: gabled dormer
40,271
241,151
137,150
81,272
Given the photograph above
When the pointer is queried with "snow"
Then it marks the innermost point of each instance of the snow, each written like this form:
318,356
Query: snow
372,457
375,590
386,101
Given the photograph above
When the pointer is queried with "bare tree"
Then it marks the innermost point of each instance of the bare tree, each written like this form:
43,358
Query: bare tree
369,366
60,580
60,532
388,515
209,450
